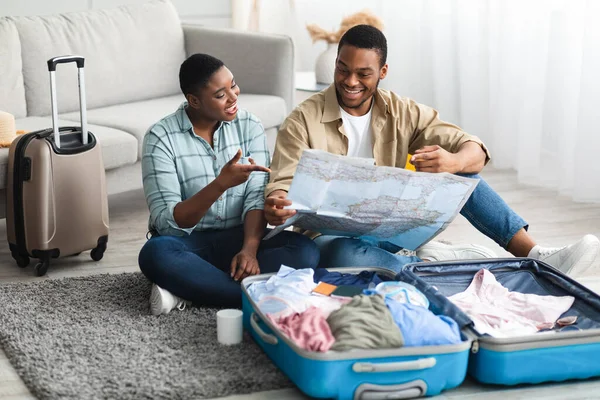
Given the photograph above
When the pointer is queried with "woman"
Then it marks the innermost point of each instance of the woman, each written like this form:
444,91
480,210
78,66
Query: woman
204,170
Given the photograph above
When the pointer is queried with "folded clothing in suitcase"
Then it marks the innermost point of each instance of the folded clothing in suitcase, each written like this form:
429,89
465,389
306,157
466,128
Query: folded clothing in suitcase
403,372
567,350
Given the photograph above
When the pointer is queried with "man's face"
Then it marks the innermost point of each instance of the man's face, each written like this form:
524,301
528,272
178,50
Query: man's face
357,75
217,101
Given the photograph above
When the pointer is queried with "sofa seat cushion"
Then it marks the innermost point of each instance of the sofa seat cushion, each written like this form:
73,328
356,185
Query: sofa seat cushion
118,148
137,117
132,53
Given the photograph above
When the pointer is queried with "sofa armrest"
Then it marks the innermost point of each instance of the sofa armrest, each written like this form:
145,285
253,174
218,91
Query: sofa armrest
261,63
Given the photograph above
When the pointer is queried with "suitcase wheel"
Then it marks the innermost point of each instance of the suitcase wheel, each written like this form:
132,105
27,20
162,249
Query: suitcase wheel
41,268
98,252
22,261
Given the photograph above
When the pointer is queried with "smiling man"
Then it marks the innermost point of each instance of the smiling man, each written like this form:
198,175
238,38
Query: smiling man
356,118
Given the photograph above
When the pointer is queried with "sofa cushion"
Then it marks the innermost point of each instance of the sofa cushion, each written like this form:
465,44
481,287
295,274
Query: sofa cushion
12,91
136,118
271,110
131,53
118,148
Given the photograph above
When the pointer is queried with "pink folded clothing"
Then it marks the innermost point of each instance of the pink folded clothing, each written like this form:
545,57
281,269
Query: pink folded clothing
501,313
309,329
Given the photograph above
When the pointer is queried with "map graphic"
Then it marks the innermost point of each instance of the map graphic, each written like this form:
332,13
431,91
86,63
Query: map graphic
347,196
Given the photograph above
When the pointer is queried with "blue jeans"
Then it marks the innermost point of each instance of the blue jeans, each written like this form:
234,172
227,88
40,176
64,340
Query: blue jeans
485,210
197,267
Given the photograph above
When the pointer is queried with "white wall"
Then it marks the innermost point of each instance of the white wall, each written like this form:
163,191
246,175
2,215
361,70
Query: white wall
407,26
291,17
214,13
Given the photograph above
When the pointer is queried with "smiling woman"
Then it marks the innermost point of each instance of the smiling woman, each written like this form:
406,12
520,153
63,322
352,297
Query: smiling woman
204,173
214,98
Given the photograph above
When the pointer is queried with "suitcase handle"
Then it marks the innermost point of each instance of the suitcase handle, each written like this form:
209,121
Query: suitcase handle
270,339
409,390
52,63
415,365
64,60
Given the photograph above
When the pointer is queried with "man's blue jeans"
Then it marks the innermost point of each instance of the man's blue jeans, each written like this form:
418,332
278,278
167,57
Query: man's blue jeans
485,210
197,267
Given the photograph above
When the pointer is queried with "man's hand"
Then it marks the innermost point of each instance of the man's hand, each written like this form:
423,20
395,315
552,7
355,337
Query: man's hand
275,214
233,174
436,159
244,264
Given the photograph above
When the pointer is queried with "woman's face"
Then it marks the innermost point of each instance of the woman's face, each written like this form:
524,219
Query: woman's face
217,100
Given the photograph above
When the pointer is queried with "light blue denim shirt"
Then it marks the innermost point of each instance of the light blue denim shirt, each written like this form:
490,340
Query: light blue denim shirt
177,164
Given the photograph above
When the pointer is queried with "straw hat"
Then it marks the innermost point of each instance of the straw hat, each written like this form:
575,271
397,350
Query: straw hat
8,131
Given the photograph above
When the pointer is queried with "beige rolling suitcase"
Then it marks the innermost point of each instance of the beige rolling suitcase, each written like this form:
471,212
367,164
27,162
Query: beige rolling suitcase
56,189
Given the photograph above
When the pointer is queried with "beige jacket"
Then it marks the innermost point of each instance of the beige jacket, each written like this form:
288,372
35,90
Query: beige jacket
399,125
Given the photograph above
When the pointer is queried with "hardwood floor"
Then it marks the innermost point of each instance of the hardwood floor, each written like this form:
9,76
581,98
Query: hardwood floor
554,221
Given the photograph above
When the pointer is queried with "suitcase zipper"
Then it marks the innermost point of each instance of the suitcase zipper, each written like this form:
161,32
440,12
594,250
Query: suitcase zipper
443,273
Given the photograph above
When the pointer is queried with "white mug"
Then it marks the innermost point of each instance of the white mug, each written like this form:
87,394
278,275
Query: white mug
229,326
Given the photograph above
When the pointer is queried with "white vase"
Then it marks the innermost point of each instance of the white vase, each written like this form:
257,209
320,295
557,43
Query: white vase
325,64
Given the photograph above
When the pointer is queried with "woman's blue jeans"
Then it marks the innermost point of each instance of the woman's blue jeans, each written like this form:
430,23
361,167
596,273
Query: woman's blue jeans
197,267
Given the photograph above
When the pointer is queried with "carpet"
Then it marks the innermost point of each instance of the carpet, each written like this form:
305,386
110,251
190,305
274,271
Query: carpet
94,338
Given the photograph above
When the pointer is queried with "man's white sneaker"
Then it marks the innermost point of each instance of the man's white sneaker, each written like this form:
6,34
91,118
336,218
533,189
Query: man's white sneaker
162,301
406,252
439,251
574,259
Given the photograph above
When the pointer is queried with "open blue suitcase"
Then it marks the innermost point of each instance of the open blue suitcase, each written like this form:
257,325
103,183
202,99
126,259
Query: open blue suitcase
571,353
360,374
410,372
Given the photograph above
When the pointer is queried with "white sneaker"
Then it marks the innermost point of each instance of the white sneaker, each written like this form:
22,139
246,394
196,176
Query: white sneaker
439,251
574,259
162,301
406,252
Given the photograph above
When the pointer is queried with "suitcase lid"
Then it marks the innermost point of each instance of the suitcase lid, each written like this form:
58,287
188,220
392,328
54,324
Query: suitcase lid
439,280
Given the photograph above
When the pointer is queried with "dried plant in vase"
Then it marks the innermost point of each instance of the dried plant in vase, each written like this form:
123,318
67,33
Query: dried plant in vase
325,63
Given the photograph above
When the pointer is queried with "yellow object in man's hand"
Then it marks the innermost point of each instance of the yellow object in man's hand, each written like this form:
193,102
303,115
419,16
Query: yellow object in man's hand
408,165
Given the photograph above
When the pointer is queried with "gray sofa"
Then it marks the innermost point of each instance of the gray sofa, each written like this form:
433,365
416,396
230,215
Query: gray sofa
133,54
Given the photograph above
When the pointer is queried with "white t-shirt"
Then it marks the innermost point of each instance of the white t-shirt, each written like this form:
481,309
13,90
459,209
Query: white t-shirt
358,130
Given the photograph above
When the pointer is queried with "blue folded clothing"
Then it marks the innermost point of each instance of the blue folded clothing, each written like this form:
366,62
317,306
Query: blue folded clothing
363,279
421,327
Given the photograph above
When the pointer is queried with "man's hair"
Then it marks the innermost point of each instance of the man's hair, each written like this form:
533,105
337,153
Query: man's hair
196,71
366,37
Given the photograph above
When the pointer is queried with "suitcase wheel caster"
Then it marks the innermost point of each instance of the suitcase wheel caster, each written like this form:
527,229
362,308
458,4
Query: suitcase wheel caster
97,253
41,268
22,261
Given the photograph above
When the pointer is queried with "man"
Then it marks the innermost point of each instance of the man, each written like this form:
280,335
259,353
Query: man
354,117
204,173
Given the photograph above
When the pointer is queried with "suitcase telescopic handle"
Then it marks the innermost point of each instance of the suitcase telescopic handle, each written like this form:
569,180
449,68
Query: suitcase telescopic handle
52,63
64,60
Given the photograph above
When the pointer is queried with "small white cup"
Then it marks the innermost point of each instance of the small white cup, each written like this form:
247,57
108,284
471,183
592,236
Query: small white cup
229,326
